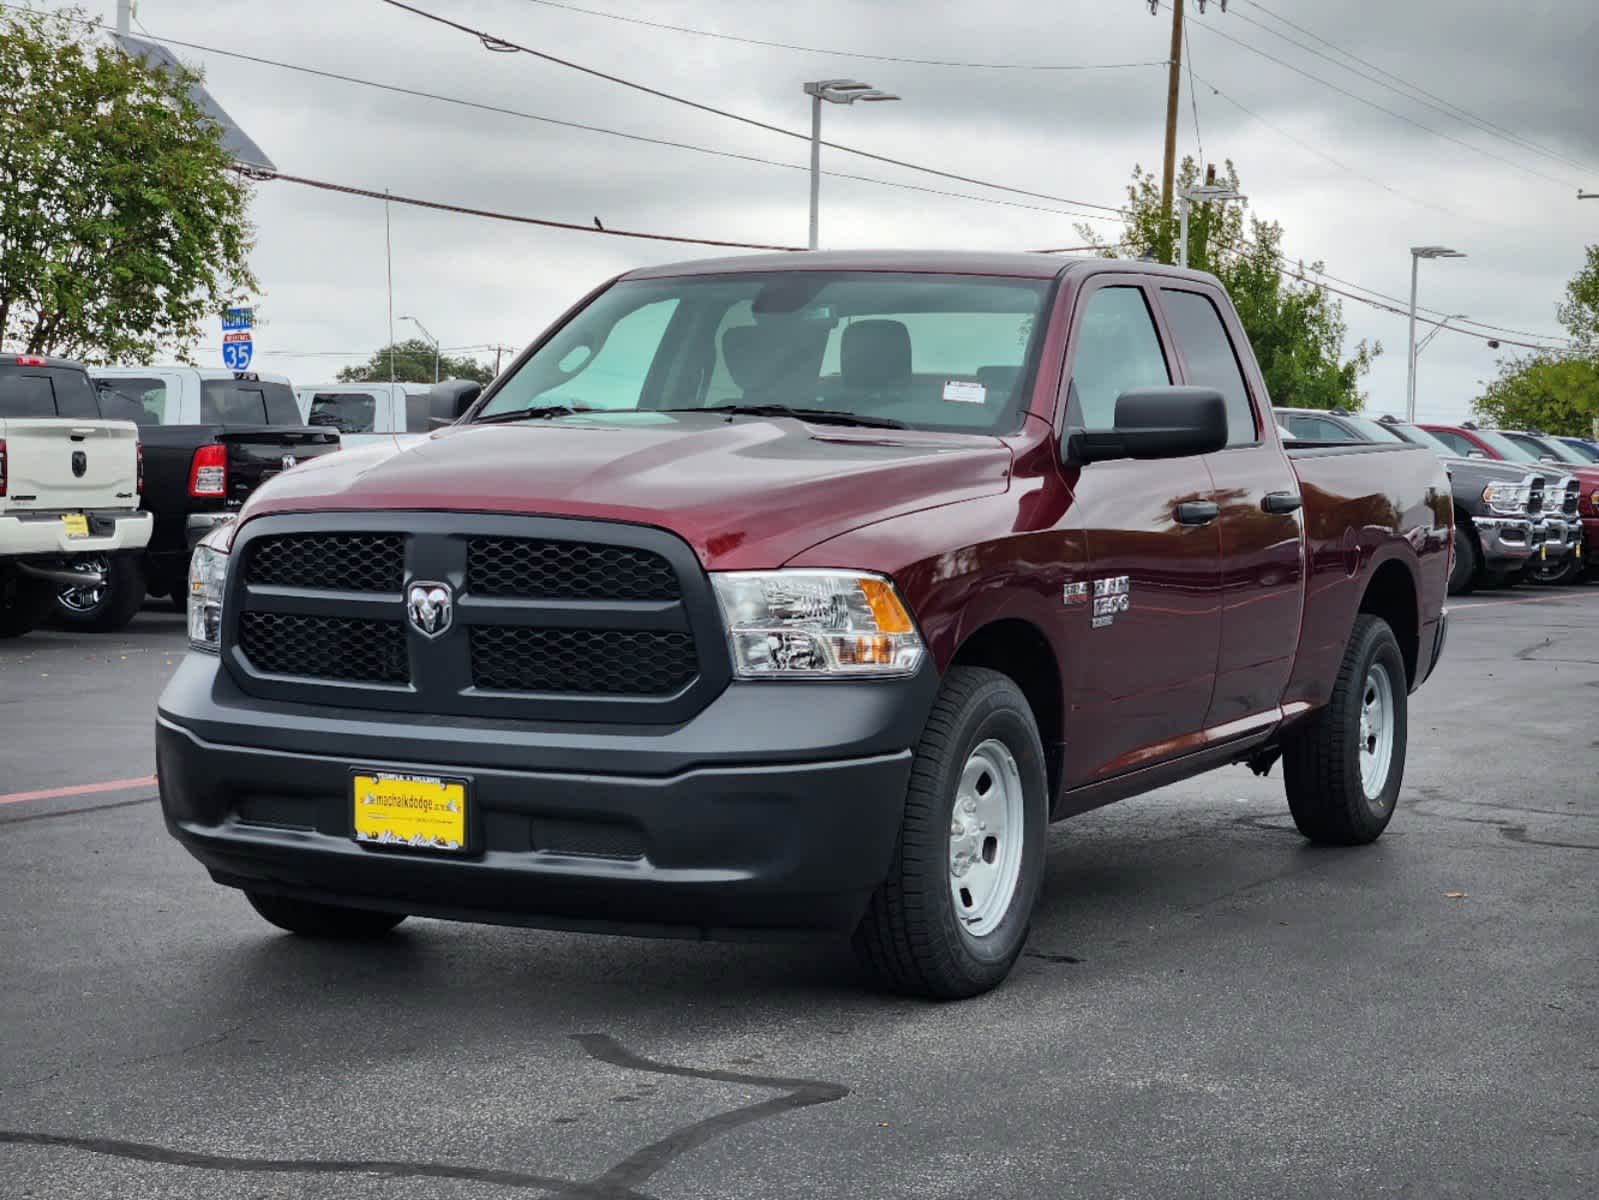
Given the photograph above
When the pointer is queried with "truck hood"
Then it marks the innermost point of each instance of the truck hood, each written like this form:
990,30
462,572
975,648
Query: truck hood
746,493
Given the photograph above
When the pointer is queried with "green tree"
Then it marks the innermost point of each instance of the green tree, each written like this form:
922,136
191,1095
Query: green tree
413,363
122,222
1296,328
1558,393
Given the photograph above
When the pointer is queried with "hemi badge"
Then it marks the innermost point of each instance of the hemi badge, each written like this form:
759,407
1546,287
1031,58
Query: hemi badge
1075,593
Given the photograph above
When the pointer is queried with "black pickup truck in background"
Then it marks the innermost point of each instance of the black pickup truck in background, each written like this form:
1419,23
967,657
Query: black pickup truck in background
210,439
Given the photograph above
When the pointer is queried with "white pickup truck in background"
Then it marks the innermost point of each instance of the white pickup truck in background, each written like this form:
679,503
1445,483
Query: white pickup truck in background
69,492
369,414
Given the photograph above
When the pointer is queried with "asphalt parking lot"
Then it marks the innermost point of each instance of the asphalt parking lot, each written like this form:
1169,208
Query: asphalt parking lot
1208,1006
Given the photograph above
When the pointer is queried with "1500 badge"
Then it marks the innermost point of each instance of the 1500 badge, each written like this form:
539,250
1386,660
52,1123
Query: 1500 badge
1111,596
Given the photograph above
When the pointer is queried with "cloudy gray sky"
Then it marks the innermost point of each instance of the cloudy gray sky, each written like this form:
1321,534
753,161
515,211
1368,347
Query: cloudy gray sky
1527,67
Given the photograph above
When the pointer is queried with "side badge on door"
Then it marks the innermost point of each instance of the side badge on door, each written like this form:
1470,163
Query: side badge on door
1112,595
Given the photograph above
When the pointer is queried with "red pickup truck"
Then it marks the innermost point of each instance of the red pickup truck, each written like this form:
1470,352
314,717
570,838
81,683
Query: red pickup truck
800,594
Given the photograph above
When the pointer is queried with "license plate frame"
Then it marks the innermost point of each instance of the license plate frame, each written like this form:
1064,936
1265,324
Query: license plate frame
410,811
76,525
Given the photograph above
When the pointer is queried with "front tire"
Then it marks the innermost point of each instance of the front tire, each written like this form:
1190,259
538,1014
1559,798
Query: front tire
1344,767
952,916
329,921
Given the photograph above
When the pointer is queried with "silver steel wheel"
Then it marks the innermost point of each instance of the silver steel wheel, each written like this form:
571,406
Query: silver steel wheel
986,833
85,599
1376,731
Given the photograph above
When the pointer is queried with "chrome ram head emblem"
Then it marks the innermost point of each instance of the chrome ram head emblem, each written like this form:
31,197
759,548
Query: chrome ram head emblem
428,605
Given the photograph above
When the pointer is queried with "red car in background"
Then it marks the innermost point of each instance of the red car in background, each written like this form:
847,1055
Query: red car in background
1573,523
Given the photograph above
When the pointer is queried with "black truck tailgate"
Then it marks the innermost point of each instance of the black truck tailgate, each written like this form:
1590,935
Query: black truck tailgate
258,452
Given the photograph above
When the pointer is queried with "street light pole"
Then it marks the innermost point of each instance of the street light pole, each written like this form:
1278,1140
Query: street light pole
430,338
1417,253
834,91
124,17
1205,193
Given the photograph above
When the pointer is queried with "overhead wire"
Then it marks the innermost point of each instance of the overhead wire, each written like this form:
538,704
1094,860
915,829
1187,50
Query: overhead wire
836,53
754,122
1422,95
1213,29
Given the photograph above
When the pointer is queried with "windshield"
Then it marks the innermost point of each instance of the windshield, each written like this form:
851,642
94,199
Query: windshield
939,352
1373,431
1504,447
1553,447
1588,452
1420,437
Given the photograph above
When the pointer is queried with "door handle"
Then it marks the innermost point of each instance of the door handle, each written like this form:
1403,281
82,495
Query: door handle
1280,503
1197,512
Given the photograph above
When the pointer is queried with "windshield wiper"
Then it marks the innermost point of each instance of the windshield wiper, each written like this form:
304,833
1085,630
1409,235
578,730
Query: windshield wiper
542,412
819,415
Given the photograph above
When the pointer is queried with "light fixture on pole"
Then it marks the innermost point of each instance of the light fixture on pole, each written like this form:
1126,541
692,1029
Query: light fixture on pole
1436,330
1417,253
1582,195
430,338
1205,193
834,91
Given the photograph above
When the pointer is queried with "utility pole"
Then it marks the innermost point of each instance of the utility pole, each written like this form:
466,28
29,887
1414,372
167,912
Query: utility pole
1174,77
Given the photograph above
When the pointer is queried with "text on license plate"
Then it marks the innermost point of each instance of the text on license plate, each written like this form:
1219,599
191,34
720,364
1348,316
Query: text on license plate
77,525
420,811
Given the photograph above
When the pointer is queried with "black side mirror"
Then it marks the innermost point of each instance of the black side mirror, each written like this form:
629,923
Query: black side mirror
449,400
1163,422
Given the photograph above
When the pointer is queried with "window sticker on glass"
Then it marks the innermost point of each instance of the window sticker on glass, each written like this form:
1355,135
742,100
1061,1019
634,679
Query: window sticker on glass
965,391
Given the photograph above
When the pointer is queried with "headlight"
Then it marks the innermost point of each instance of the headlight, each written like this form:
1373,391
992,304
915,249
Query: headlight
809,624
208,569
1507,497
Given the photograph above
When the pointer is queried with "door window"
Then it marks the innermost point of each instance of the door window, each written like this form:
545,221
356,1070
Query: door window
1317,429
141,400
1211,359
1118,350
1461,446
348,412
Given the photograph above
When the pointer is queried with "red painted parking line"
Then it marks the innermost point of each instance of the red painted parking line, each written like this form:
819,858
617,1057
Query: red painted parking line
81,789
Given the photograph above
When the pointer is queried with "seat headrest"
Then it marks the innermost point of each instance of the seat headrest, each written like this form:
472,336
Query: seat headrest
781,354
874,353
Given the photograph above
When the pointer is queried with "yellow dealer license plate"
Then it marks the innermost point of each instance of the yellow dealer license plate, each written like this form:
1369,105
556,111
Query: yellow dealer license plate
77,525
422,812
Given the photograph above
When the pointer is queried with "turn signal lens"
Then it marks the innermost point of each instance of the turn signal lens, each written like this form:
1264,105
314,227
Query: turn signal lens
816,624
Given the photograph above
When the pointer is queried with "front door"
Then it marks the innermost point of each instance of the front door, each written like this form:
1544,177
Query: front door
1143,619
1262,540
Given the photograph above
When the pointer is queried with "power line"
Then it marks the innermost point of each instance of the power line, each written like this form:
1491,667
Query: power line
924,62
1448,107
1343,91
440,206
1193,95
489,39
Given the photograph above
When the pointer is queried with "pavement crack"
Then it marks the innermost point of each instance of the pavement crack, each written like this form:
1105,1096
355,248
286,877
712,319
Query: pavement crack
618,1183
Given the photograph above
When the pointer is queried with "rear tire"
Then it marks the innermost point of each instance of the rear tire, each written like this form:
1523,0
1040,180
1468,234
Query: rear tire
329,921
106,609
24,603
1343,768
1464,575
952,916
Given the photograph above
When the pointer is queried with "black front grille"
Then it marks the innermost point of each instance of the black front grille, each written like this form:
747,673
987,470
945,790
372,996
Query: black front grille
554,570
354,649
609,662
352,562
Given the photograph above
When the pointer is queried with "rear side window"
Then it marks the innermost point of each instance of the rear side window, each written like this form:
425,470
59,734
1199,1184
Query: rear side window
348,412
146,395
1117,351
418,410
1211,360
26,395
281,408
47,393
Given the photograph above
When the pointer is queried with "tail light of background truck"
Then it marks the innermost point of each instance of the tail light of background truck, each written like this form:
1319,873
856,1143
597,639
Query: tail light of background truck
2,466
138,471
208,471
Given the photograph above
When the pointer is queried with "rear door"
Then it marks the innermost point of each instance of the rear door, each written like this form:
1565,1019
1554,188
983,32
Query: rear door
1143,622
1261,527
